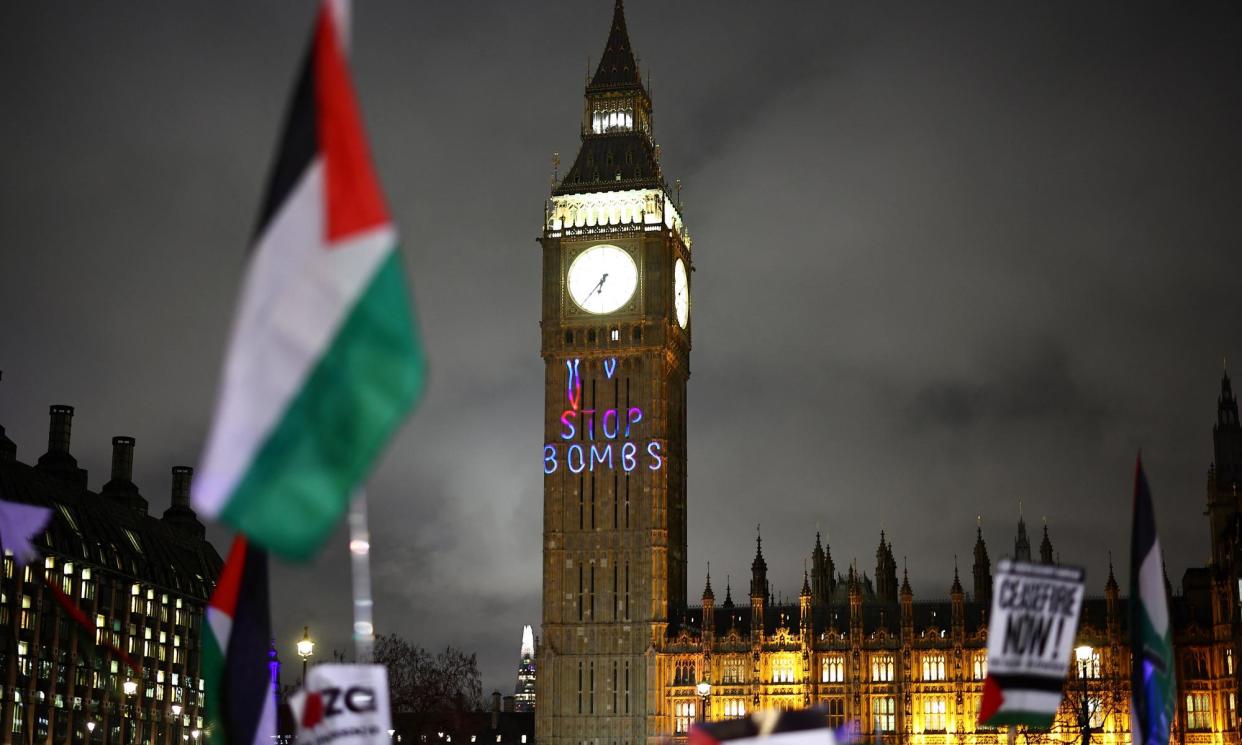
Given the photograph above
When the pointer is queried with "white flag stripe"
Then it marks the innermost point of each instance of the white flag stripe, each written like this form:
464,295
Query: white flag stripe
1151,590
818,736
297,294
1019,699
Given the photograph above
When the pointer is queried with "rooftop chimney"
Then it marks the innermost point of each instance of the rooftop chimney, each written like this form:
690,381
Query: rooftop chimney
180,515
62,425
181,478
123,459
121,487
57,461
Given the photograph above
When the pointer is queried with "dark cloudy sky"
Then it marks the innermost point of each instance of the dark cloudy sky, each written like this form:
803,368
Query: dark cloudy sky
949,257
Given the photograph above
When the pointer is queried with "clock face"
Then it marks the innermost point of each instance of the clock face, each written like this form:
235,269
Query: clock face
681,293
602,279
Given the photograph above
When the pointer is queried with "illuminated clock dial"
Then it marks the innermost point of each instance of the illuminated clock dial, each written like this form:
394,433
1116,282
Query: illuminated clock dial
681,293
602,278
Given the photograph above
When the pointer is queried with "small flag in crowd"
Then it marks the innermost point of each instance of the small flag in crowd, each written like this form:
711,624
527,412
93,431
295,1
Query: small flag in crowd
772,727
324,360
1151,642
1034,618
19,524
241,708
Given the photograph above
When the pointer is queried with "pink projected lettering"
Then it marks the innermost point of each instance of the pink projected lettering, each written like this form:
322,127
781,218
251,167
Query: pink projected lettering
603,435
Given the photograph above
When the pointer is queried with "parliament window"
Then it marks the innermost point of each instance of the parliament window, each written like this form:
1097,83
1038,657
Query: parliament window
980,666
933,667
833,669
734,708
733,670
836,712
684,714
882,668
1092,665
783,670
1198,713
934,714
884,709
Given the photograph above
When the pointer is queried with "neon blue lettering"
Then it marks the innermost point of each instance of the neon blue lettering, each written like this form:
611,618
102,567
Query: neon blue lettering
549,459
628,451
653,449
569,458
597,455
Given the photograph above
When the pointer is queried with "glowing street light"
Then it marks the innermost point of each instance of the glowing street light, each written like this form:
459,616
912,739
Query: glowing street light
130,687
1083,654
704,689
306,648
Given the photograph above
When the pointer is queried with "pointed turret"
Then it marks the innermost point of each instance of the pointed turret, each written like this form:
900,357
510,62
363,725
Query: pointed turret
1021,544
758,570
728,601
1045,547
707,588
885,572
982,569
956,589
823,579
759,590
709,610
906,592
617,66
618,152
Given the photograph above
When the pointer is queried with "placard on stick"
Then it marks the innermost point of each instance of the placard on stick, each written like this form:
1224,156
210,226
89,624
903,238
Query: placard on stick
1035,613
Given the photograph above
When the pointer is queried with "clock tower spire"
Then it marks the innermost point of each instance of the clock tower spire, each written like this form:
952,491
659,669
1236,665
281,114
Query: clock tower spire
615,340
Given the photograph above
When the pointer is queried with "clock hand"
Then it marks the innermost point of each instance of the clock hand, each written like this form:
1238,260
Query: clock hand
599,286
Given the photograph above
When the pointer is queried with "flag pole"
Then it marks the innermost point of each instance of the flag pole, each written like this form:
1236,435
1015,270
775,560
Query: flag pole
360,563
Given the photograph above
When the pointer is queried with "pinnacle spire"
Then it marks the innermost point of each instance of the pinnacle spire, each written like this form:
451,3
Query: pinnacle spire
617,66
1045,547
957,582
707,590
905,578
1111,585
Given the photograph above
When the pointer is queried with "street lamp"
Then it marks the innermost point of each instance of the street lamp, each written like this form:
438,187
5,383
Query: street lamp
176,712
306,648
1083,654
704,689
130,688
90,729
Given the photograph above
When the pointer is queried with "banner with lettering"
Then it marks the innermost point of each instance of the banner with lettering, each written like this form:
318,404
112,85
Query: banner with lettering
1035,612
343,705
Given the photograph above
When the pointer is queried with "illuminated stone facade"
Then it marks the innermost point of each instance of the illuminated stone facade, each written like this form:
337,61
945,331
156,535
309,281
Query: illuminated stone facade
873,656
142,582
622,653
614,552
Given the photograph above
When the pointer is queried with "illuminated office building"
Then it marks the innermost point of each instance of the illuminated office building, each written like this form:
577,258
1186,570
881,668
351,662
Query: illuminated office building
142,581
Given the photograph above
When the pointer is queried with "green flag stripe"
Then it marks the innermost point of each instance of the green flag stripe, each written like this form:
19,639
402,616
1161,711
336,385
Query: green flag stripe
299,482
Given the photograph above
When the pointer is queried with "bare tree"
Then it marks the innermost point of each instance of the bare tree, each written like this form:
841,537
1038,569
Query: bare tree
425,683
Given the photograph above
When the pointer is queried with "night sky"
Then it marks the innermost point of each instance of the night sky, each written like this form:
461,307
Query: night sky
949,258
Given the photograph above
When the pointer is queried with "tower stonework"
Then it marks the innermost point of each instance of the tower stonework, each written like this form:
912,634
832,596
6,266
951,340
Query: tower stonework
615,339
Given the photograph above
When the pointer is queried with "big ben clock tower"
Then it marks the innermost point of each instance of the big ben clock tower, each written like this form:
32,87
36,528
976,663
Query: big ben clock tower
616,348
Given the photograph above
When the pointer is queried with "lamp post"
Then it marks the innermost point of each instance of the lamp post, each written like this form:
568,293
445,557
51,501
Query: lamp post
306,648
130,688
1083,654
90,731
704,689
176,712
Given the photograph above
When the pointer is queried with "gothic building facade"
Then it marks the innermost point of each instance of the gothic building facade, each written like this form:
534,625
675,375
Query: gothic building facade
624,660
141,581
875,657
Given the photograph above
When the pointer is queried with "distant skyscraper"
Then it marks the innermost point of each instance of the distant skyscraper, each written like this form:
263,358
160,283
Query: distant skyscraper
524,691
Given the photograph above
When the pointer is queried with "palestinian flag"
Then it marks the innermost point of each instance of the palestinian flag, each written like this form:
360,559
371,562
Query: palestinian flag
240,701
771,727
1151,641
324,360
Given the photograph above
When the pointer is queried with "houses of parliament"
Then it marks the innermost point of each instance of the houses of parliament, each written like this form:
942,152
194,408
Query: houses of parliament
626,660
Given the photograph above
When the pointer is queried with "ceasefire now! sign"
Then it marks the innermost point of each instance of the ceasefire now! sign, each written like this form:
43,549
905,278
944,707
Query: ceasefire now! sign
1035,612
